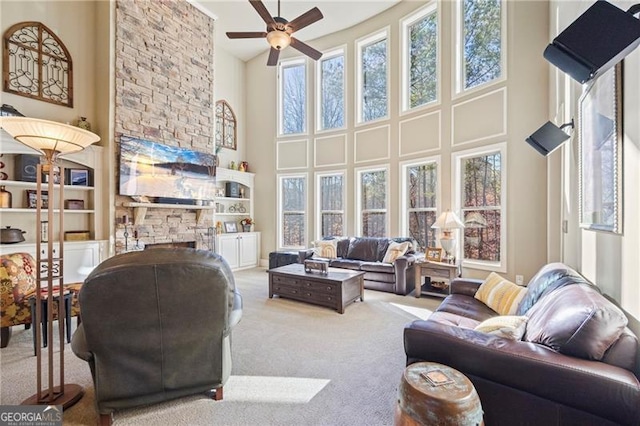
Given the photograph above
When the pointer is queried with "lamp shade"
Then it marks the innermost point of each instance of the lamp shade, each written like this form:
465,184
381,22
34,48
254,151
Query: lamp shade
278,39
475,220
48,136
448,220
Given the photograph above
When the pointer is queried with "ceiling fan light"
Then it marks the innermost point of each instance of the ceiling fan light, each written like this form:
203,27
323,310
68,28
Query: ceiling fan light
278,39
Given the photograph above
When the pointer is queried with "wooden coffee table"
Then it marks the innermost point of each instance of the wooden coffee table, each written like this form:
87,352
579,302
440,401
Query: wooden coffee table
336,290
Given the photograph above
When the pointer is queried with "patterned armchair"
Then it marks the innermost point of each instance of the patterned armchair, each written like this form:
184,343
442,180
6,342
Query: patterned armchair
17,286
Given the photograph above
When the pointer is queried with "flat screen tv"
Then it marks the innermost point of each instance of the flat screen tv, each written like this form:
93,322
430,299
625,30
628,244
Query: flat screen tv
156,170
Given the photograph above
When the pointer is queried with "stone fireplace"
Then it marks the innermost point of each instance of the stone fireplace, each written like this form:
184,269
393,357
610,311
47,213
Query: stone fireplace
164,93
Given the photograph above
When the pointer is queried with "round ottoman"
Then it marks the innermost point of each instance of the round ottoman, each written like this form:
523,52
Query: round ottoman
434,394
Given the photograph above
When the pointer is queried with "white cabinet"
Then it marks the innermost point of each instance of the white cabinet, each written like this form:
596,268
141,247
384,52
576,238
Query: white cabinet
80,257
240,250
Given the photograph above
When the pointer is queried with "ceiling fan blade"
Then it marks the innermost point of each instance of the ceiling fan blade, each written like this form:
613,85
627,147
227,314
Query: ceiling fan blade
273,57
306,49
262,11
246,34
305,19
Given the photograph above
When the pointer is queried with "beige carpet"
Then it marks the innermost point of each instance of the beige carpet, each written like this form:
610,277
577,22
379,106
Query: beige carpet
293,364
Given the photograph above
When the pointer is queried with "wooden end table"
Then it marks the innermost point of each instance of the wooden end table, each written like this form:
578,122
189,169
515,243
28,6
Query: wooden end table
431,269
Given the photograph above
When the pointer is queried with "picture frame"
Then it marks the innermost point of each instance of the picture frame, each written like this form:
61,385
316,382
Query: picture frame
221,192
433,254
78,177
600,153
230,227
32,199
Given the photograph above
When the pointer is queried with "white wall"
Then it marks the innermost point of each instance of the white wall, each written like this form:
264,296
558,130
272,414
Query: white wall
525,108
612,261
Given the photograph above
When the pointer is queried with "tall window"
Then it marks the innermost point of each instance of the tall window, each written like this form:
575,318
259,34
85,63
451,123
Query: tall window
420,193
293,97
481,175
480,29
330,93
331,202
293,200
372,202
372,77
420,58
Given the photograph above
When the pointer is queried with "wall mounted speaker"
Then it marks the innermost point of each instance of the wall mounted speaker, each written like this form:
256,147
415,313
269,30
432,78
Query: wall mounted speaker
26,167
596,41
548,138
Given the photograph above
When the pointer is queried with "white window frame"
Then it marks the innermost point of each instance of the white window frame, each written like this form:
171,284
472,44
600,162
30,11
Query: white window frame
456,167
404,189
281,66
458,82
405,24
360,44
319,211
359,210
340,51
280,212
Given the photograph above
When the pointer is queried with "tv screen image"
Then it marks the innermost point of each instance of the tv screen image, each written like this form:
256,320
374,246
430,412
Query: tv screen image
157,170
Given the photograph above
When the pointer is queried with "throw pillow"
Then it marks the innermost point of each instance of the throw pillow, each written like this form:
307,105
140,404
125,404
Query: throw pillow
326,248
395,250
506,326
501,295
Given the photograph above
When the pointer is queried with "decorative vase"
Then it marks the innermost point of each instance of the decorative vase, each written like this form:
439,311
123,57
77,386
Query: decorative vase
246,228
5,198
84,124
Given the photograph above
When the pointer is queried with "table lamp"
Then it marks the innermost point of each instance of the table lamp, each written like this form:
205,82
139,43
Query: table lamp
50,139
447,222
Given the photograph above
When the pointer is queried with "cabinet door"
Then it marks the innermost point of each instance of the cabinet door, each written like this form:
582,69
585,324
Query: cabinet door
228,248
248,249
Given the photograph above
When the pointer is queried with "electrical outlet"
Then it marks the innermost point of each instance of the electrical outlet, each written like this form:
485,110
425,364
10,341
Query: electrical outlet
519,280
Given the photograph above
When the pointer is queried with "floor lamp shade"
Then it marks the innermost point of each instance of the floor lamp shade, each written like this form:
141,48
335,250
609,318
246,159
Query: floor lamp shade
51,139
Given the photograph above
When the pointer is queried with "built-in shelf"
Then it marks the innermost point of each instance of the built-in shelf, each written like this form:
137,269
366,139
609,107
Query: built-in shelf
33,211
22,184
140,209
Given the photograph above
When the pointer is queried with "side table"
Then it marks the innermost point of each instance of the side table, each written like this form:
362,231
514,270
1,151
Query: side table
44,316
431,269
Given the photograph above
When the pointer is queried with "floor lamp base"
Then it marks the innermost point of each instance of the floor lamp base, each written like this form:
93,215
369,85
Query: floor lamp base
71,394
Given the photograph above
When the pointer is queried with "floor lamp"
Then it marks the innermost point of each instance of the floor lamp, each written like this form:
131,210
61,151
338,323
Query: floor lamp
51,140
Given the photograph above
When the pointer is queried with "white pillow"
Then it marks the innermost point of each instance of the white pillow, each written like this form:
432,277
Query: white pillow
507,326
395,250
326,248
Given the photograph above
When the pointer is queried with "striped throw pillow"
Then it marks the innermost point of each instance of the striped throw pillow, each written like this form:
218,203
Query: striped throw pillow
501,295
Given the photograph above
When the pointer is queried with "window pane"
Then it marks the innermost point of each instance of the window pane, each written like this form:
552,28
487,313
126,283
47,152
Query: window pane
331,188
423,61
482,237
420,227
293,230
422,186
374,190
374,81
294,99
332,93
373,224
482,41
332,224
293,195
482,181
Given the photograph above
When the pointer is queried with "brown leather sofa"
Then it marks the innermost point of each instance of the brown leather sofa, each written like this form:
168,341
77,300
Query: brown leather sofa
577,363
366,254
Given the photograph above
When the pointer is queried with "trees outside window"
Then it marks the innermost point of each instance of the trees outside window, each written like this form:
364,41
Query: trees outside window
482,180
421,201
372,202
420,58
373,77
331,201
330,93
293,200
482,42
293,97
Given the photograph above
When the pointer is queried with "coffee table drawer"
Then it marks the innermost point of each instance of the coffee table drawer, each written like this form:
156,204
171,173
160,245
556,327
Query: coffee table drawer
287,288
317,287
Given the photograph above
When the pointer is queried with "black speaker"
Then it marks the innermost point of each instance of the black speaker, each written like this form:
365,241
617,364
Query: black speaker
26,167
596,41
232,190
548,138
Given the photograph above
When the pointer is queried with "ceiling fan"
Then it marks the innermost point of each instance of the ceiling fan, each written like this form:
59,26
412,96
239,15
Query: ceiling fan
279,31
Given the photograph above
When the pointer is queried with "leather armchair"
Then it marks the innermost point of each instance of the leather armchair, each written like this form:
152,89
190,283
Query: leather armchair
156,325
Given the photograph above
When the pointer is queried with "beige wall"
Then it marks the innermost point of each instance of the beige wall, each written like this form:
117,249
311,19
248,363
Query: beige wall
612,261
505,112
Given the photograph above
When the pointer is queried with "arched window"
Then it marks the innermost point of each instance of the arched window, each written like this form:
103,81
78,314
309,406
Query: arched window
225,126
37,64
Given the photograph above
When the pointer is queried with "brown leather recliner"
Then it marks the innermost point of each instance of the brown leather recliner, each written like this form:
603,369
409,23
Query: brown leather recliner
577,363
156,325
